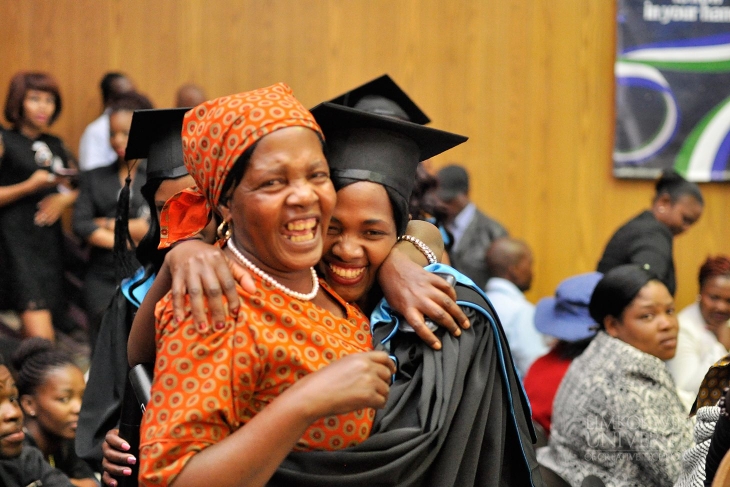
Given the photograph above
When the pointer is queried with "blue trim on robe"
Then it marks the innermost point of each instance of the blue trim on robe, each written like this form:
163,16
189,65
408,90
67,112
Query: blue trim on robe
135,292
384,315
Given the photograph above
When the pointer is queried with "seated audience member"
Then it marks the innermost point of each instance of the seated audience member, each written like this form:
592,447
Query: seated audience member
95,149
20,465
566,318
711,430
189,95
509,262
646,240
617,414
33,196
96,208
704,329
473,231
50,388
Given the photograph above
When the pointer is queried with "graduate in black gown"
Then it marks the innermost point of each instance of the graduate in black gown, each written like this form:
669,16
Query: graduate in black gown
155,135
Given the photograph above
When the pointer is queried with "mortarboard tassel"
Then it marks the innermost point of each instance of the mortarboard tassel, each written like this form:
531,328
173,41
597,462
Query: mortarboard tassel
124,261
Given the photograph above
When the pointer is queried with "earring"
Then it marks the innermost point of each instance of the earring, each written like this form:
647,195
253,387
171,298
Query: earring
224,230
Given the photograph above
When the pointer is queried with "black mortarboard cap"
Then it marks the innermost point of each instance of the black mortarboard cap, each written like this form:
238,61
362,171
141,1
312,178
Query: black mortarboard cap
383,97
156,136
371,147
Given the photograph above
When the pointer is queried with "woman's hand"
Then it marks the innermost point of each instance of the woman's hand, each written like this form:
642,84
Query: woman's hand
357,381
415,293
199,269
41,179
116,462
52,206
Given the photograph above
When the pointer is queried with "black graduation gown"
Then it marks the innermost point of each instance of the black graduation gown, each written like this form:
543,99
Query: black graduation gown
455,417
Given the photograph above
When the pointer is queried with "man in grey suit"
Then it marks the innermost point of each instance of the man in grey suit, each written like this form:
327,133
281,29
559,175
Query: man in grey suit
473,231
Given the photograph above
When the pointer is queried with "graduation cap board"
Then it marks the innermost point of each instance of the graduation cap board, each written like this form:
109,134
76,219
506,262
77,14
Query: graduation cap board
383,96
156,136
372,147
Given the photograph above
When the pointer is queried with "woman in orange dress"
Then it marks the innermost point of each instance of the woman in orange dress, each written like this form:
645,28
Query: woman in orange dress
291,367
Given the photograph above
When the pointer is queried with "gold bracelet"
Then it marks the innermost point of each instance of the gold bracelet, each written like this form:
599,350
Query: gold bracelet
418,243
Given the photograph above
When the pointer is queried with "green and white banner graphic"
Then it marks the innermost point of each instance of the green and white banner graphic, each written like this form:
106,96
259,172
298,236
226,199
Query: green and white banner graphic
673,89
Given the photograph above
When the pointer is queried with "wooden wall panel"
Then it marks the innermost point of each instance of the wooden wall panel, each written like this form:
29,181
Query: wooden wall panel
530,82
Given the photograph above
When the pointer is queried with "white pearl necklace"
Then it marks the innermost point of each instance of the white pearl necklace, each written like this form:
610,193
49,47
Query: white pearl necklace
270,280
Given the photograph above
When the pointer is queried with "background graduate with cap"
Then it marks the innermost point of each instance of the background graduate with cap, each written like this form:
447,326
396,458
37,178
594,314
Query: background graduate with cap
154,135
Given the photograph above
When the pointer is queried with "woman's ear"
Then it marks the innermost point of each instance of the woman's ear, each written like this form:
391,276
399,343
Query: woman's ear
611,324
663,203
28,403
224,211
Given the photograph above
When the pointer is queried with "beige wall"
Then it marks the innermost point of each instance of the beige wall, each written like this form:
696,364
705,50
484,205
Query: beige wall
529,81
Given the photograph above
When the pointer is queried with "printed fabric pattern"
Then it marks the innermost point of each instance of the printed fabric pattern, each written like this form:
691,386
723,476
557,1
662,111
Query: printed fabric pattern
208,385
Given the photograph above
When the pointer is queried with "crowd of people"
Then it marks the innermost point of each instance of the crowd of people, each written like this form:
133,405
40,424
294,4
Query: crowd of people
315,307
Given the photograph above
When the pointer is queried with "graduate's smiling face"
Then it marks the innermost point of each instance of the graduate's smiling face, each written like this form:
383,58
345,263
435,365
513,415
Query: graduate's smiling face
359,238
11,416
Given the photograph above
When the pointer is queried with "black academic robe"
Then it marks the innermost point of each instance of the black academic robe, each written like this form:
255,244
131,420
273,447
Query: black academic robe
102,403
454,417
30,469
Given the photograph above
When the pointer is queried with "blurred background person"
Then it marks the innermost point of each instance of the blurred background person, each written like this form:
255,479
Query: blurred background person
473,231
509,262
34,192
646,240
566,318
704,329
51,387
189,95
95,210
95,149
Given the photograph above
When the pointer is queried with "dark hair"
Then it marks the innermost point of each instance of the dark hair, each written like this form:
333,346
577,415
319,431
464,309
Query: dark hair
424,202
569,350
19,86
129,101
615,291
147,252
33,359
673,184
107,85
713,267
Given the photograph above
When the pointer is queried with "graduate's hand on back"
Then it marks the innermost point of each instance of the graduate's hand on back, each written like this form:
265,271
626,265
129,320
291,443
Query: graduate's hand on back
416,293
360,380
200,270
116,460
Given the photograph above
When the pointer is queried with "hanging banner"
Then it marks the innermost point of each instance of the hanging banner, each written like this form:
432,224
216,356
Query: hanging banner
673,89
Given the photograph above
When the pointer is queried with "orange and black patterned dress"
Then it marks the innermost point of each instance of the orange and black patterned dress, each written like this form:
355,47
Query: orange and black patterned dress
208,385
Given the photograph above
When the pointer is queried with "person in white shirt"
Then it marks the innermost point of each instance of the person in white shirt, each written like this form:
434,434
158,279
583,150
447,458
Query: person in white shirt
95,149
510,263
704,329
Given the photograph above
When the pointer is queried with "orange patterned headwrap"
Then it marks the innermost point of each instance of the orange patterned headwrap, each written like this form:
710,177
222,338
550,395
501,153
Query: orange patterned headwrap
214,135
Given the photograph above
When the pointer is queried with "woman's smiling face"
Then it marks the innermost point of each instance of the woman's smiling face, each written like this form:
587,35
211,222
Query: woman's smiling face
360,236
283,201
